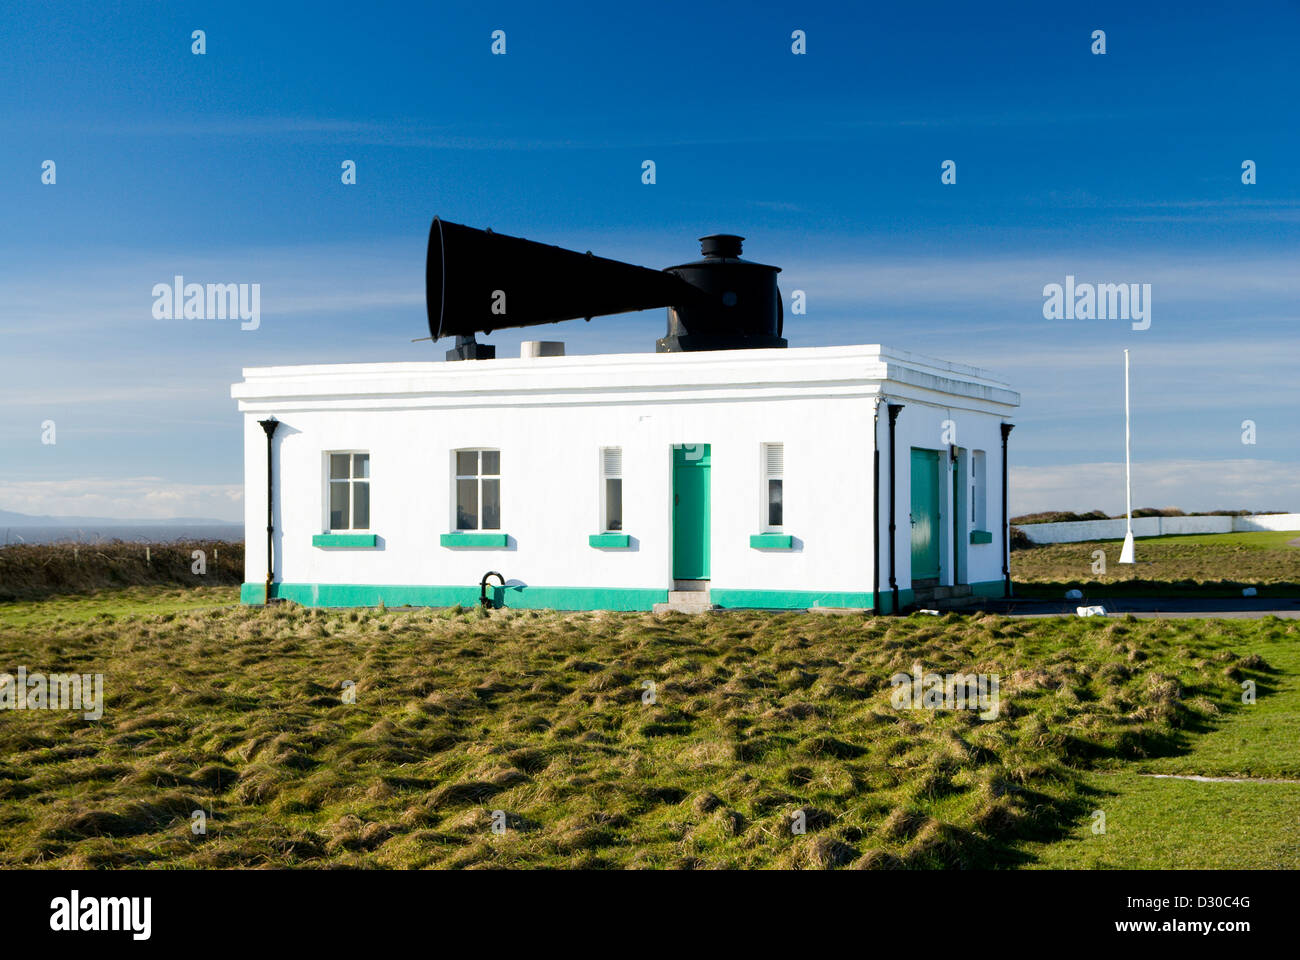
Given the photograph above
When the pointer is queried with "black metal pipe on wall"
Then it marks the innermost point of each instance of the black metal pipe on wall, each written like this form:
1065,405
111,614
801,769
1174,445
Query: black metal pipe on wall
269,426
894,410
875,512
1006,520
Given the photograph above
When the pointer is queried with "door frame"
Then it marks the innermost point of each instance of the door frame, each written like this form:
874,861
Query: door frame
935,459
961,493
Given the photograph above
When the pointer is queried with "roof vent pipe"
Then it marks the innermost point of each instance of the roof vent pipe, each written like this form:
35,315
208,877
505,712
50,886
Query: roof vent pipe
541,348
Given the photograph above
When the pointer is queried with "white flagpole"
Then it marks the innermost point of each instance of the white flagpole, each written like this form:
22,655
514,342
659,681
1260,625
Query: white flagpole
1126,554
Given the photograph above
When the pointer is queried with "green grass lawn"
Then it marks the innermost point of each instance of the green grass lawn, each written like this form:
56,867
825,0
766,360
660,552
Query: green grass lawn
240,712
1202,565
1162,823
1180,824
1261,740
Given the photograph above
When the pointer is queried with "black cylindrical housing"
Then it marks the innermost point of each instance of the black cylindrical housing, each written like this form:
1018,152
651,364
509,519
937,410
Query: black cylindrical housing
738,304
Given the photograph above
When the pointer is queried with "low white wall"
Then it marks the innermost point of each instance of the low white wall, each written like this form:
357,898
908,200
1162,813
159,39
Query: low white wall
1268,521
1079,530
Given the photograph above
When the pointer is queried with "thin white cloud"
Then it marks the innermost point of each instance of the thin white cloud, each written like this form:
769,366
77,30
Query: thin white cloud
85,395
127,498
916,282
298,279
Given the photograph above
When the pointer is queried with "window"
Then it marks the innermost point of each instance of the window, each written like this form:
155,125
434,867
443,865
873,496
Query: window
978,491
773,481
611,472
349,491
478,489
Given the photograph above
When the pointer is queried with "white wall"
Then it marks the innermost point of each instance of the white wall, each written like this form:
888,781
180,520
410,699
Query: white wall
550,417
1076,531
921,425
550,493
1267,521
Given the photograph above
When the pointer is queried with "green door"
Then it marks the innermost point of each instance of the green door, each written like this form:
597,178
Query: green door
925,514
691,511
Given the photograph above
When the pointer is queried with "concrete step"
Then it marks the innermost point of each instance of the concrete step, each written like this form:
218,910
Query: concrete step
685,601
943,597
942,593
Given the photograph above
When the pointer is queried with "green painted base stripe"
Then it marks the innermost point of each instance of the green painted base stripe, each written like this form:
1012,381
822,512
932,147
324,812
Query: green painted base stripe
805,599
787,599
988,588
571,598
609,540
581,598
771,541
401,595
343,540
474,540
371,595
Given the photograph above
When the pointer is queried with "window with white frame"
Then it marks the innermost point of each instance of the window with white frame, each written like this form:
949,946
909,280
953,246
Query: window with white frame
978,491
611,476
478,489
349,491
773,487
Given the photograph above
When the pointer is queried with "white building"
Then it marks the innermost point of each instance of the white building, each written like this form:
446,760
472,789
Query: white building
747,478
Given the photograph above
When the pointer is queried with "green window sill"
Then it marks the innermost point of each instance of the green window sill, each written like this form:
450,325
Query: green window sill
981,536
771,541
344,540
474,539
609,540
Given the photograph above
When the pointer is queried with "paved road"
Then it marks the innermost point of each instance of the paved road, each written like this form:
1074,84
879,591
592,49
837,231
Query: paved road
1236,608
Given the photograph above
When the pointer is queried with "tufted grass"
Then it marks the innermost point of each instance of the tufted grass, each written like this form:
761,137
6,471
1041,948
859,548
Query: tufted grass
241,712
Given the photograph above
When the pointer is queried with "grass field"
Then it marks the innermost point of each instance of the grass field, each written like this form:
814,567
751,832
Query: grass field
241,712
1209,565
1161,824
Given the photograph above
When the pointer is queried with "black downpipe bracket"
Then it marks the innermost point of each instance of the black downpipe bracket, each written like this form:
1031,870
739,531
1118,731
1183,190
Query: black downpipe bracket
269,426
894,410
1006,520
875,512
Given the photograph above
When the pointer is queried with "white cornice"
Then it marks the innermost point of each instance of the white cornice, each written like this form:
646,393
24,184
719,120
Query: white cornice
736,375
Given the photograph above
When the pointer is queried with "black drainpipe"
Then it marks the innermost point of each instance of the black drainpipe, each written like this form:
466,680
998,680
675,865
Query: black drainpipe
1006,520
894,410
269,426
875,513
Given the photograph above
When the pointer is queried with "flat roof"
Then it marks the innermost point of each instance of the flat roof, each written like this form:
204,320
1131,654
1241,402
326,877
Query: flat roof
859,370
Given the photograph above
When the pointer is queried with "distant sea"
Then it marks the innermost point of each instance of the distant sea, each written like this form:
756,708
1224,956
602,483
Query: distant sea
132,533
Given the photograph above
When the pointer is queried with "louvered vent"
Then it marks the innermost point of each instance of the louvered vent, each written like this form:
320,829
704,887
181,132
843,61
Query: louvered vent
775,459
613,461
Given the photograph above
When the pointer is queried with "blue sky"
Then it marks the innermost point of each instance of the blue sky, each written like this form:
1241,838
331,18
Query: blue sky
226,168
